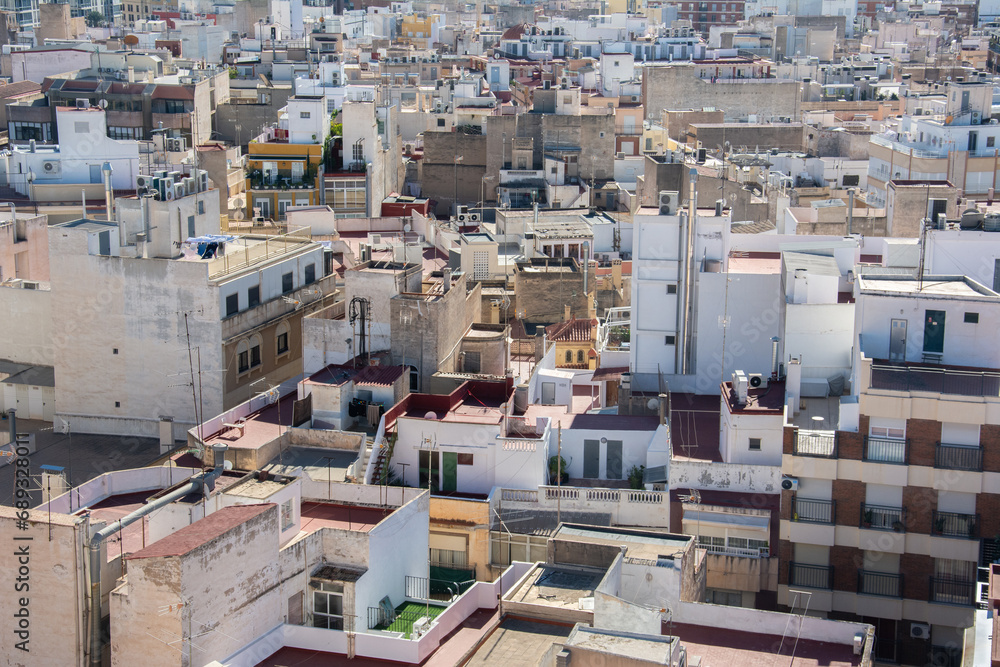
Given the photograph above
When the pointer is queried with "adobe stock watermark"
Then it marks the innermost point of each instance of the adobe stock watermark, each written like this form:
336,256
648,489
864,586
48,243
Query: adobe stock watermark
22,545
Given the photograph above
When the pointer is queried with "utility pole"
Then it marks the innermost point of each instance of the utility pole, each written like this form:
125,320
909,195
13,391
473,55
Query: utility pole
559,476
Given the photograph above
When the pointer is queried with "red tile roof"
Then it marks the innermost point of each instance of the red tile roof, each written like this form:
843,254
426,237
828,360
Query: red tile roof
19,88
574,331
201,532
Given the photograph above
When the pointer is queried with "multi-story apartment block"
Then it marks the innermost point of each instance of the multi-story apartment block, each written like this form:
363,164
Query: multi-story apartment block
952,139
703,15
890,494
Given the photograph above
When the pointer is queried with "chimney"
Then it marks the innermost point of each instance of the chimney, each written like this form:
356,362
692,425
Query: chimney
616,273
567,313
663,409
774,357
446,281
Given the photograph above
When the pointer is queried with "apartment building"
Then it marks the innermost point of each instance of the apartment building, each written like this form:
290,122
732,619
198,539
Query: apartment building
703,15
889,495
952,140
160,293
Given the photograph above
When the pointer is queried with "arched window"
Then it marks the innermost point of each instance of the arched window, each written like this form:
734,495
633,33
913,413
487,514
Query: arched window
281,337
255,342
243,356
579,356
569,356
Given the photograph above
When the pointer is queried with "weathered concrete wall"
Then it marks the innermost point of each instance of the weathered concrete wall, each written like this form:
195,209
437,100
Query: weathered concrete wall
441,171
542,296
706,475
26,327
53,589
675,85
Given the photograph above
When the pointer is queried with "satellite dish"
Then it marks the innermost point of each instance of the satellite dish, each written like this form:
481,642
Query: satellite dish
227,465
653,404
130,40
103,104
407,227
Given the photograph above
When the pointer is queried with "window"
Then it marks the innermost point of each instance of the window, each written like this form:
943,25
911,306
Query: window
287,283
448,557
328,606
232,304
191,231
669,339
114,351
253,296
887,432
990,142
287,515
465,459
440,122
755,444
310,274
579,356
711,541
281,336
672,288
972,318
304,114
243,356
173,106
255,351
201,207
569,356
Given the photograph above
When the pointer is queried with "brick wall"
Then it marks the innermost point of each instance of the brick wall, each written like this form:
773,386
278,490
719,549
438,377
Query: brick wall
919,503
846,562
923,436
989,440
849,495
788,440
916,570
988,508
785,555
850,445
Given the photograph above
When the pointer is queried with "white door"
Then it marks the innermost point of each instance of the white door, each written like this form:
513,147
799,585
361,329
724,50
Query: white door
548,393
897,341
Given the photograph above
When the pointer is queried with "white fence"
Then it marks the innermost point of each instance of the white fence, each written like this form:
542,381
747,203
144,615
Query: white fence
627,507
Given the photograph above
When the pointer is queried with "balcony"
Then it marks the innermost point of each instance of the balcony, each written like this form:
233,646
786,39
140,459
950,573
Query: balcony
822,444
958,457
953,524
952,591
885,450
882,584
810,576
935,379
877,517
809,510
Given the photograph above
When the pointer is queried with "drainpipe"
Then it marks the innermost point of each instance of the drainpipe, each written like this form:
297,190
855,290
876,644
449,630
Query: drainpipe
204,482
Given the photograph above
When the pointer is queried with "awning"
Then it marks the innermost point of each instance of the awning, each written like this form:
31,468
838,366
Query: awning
608,374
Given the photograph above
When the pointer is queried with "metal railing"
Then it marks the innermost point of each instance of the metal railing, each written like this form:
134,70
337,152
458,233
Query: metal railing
883,584
935,380
721,550
416,588
810,576
809,510
885,450
954,524
877,517
958,457
952,591
816,443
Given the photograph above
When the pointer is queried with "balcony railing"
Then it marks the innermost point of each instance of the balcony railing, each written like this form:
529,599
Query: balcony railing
816,443
877,517
935,380
810,576
809,510
883,584
953,524
885,450
952,591
958,457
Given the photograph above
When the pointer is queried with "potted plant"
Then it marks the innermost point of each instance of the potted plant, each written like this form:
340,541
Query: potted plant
939,525
635,477
867,518
557,464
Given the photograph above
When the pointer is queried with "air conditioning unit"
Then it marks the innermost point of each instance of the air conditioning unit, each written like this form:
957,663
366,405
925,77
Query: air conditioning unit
202,180
175,144
51,167
920,631
167,194
757,380
82,103
29,284
474,217
669,202
741,386
143,181
462,217
789,483
179,190
190,184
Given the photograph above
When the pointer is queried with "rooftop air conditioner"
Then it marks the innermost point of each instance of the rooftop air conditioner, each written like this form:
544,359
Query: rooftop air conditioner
789,483
143,181
920,631
179,190
757,380
51,167
669,202
474,217
619,156
82,103
741,386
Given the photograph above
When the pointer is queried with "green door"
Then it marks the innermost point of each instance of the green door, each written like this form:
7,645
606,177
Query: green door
449,471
